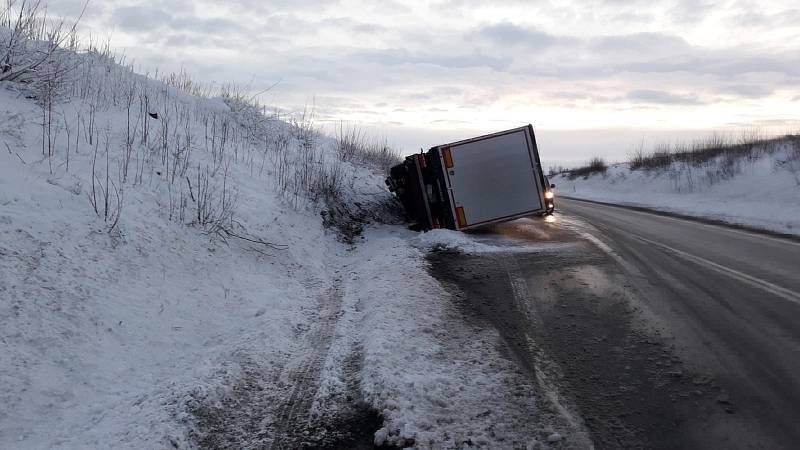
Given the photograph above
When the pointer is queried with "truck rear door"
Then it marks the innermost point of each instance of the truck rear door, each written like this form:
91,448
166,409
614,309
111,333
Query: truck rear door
493,178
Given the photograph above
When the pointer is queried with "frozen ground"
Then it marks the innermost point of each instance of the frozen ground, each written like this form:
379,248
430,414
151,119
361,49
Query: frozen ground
438,380
134,322
118,340
762,192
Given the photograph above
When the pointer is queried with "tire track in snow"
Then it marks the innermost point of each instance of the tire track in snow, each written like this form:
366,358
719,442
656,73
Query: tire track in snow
254,410
293,417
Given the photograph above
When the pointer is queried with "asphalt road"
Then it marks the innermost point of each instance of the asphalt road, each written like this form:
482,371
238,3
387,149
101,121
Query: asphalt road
658,332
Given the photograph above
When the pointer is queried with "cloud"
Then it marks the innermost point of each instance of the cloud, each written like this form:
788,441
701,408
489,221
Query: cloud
645,44
212,25
752,91
722,63
756,18
692,12
141,18
71,9
399,56
469,60
253,8
661,97
633,17
353,26
507,33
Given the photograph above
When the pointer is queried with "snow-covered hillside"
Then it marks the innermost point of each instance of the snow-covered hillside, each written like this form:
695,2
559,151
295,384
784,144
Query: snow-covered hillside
760,190
155,246
184,269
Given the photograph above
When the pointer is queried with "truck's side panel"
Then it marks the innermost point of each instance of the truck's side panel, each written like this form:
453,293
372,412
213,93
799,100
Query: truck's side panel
493,178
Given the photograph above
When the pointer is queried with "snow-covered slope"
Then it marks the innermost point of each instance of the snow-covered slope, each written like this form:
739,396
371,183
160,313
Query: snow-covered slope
112,320
761,191
177,271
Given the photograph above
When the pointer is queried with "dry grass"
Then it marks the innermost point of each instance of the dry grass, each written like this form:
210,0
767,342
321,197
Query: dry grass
595,165
791,162
354,145
710,160
749,145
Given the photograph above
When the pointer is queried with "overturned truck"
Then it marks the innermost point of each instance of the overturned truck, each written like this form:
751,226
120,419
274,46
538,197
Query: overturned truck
474,182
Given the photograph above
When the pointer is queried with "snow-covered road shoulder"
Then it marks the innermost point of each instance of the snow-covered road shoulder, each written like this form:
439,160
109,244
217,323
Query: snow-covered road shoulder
438,379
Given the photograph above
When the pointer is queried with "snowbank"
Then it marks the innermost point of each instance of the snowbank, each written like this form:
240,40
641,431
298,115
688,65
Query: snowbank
438,381
761,192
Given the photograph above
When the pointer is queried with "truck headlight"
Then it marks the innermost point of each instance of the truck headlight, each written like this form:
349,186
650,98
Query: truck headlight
548,195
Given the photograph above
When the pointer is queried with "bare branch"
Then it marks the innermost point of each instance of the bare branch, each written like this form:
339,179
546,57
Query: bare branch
255,240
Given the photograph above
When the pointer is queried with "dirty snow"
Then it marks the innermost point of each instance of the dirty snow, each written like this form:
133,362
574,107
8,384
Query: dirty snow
483,241
438,381
763,192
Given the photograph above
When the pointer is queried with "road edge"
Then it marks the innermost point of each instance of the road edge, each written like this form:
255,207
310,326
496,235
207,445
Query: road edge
700,219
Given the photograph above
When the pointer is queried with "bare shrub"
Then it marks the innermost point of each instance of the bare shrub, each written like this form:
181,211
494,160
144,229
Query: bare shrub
167,119
598,164
682,177
33,53
106,205
661,158
636,157
729,165
749,145
791,162
554,170
714,158
214,206
302,173
595,165
32,42
353,145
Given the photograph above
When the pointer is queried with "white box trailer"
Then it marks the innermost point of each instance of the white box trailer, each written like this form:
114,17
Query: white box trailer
474,182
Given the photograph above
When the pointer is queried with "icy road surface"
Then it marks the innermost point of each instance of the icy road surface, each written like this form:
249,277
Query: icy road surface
651,331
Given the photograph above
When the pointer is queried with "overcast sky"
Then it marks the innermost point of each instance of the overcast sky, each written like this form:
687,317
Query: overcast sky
594,77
